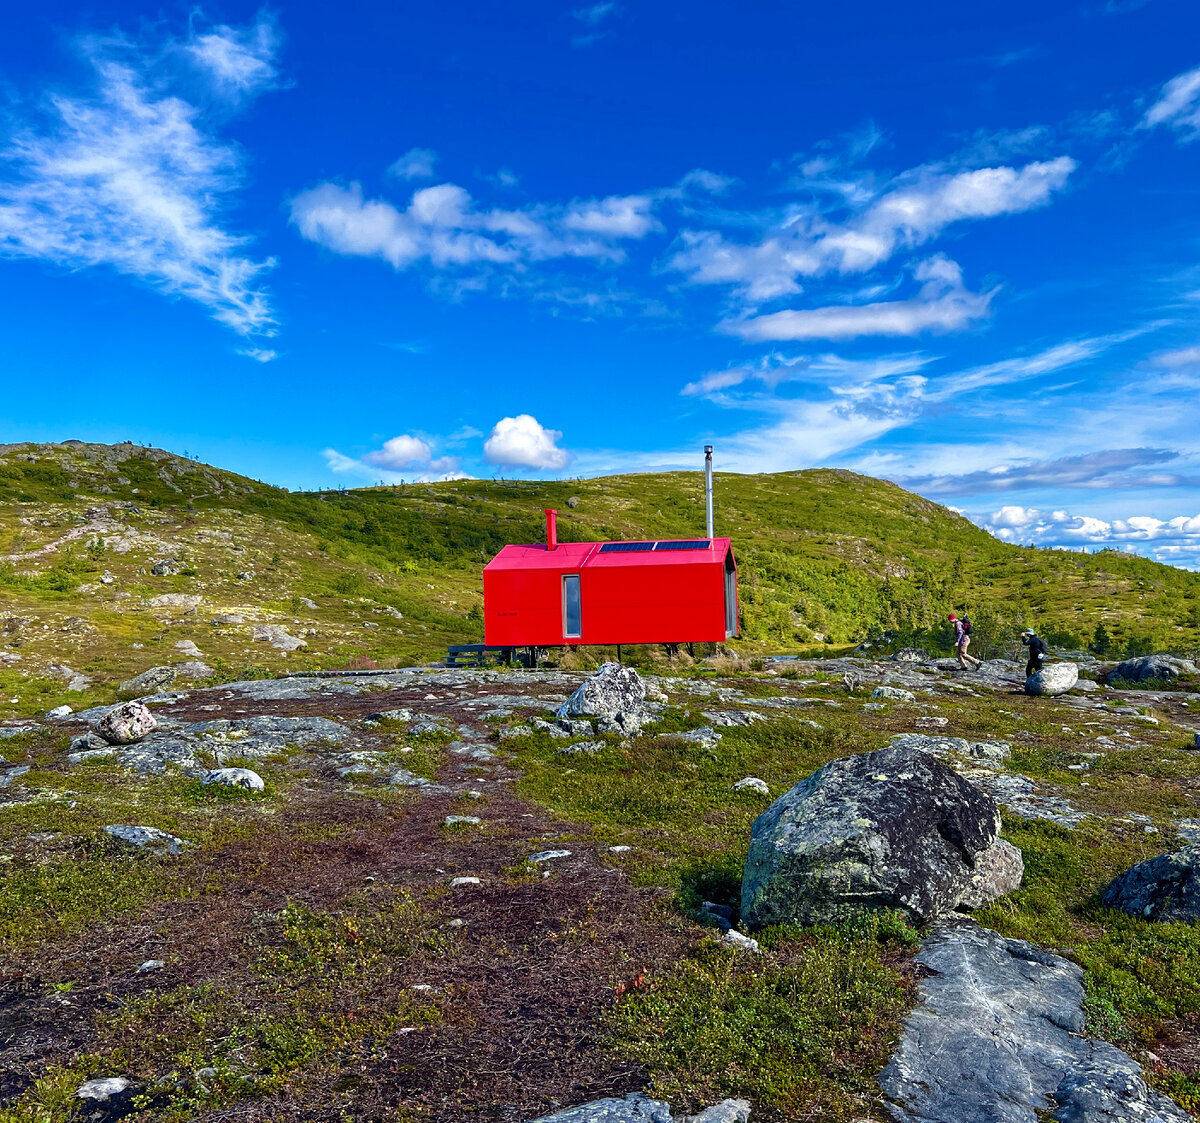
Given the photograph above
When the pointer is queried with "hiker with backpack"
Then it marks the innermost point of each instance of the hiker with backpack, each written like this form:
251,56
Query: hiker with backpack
962,640
1037,651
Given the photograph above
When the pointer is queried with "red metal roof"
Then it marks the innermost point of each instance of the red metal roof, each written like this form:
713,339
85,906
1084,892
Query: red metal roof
580,555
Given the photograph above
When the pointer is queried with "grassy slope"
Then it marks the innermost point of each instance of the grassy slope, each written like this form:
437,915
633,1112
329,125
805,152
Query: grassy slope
822,554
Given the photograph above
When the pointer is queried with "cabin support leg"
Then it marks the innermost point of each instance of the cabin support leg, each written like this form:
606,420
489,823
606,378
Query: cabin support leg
618,653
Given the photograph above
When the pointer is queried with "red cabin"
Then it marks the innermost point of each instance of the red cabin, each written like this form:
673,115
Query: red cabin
667,591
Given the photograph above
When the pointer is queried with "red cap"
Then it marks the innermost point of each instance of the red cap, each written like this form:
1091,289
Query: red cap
952,617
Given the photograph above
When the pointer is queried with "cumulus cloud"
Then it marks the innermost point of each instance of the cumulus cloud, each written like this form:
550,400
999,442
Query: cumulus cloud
918,207
1174,540
400,452
443,226
943,304
129,176
1178,106
416,163
522,442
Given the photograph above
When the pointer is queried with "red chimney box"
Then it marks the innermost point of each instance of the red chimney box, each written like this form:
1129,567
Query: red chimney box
551,530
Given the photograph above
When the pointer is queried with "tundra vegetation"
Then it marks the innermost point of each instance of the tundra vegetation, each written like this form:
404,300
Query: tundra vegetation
307,956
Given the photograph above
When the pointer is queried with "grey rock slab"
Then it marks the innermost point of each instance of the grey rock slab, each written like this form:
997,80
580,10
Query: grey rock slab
277,636
634,1108
1152,668
1020,795
515,731
752,783
706,736
7,776
894,828
586,748
728,1111
1110,1089
1164,888
1052,680
731,717
480,753
893,693
548,856
998,1036
403,778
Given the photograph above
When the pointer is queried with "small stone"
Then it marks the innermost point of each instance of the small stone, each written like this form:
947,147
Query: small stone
893,693
753,784
465,820
60,711
147,838
151,965
460,881
619,849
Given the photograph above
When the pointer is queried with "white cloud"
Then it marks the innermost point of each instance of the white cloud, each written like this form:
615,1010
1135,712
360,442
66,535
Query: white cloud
919,206
241,61
594,14
1185,357
443,225
129,178
401,452
943,304
259,354
774,368
1178,105
521,442
416,163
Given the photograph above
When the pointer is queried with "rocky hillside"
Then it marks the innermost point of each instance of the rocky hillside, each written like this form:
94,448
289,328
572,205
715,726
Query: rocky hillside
116,559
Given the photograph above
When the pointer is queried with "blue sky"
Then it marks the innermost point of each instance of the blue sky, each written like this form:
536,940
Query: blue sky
957,246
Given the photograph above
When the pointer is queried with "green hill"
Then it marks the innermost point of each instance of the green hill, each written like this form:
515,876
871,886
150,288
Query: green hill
391,575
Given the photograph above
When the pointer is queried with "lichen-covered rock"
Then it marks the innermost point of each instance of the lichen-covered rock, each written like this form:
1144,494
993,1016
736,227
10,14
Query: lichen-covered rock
614,696
998,870
1053,679
753,784
1162,888
277,636
147,838
893,694
126,724
1153,668
637,1108
910,655
890,829
148,682
243,778
954,746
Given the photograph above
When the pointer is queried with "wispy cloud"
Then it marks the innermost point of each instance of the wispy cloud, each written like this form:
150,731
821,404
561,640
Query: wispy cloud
1178,106
416,163
918,207
592,17
773,369
1106,470
943,304
129,176
259,354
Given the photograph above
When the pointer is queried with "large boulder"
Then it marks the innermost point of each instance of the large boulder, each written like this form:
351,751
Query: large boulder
1162,888
892,829
126,723
1153,668
1053,679
615,697
153,681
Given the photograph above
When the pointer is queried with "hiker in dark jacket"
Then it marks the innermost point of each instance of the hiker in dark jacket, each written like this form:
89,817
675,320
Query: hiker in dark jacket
962,640
1037,651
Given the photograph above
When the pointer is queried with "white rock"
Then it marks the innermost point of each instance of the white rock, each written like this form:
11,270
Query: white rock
189,648
464,881
151,965
235,778
894,693
735,939
619,849
752,783
126,723
102,1090
147,838
469,820
59,711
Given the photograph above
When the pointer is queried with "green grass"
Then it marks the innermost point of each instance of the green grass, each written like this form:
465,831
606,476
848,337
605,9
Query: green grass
801,1030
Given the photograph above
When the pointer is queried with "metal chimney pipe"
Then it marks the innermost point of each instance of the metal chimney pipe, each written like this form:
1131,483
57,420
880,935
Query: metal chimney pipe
551,530
708,512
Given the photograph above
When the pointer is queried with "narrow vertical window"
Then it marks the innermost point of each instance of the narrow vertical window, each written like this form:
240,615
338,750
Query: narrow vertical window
572,608
730,601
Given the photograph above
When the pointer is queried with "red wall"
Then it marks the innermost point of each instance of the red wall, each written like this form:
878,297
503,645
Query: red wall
670,603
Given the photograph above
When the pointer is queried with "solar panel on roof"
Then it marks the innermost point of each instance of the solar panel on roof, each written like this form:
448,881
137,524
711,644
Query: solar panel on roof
626,547
686,544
